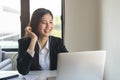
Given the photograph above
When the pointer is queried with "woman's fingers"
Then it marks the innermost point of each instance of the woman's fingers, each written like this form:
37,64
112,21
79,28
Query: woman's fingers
29,33
28,29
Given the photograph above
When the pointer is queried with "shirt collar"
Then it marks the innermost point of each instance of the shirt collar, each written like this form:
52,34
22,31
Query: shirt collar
46,46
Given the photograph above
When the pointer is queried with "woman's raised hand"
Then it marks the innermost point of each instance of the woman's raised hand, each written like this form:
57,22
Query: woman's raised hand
29,33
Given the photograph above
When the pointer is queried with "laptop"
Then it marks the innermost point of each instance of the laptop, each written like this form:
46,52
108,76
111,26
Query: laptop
84,65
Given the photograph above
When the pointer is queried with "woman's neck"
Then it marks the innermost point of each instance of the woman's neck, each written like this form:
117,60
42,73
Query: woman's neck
43,41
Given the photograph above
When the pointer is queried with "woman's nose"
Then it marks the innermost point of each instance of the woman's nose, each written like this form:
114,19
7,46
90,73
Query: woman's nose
48,24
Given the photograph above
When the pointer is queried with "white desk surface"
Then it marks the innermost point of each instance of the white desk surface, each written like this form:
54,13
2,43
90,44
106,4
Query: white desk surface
34,75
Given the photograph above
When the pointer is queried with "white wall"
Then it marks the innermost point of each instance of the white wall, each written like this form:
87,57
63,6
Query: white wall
93,25
81,25
110,39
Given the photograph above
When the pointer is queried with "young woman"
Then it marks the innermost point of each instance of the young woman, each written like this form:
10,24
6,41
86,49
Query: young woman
38,50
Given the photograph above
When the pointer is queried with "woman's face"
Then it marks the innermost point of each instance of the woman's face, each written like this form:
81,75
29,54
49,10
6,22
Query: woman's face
45,26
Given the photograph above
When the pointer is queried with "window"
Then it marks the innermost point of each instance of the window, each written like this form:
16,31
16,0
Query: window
10,23
15,16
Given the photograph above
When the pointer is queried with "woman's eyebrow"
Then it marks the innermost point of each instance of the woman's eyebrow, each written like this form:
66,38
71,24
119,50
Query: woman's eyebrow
46,20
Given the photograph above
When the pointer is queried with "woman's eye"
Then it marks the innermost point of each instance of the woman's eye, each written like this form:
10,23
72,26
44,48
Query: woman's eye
43,22
51,22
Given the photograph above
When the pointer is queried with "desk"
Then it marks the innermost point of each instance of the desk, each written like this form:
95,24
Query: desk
35,75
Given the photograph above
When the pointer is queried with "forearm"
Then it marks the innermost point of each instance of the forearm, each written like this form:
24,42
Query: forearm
32,46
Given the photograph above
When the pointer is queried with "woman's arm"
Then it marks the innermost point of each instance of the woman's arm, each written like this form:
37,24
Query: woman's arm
24,59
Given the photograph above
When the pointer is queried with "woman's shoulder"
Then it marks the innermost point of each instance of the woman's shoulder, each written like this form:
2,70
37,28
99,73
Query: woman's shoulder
54,38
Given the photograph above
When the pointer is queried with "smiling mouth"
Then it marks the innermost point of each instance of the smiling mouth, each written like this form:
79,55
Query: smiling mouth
47,31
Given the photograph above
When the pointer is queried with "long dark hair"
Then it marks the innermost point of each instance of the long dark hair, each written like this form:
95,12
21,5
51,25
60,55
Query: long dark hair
36,18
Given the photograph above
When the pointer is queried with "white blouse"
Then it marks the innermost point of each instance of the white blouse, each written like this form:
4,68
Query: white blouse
44,56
